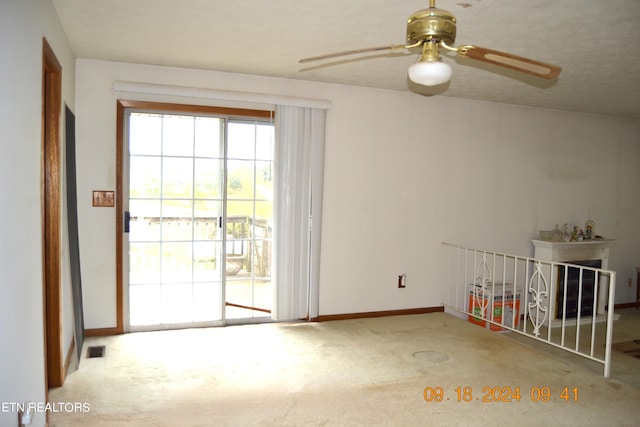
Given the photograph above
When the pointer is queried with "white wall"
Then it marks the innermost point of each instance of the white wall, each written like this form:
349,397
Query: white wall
23,24
403,173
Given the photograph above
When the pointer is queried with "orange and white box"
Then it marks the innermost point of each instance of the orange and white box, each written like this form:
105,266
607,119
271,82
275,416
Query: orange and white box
502,304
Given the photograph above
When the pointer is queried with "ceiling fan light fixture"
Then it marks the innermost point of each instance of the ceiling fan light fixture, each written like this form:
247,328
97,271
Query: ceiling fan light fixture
435,28
430,73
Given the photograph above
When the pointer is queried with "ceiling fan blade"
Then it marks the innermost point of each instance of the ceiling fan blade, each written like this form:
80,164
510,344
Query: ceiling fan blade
517,63
352,52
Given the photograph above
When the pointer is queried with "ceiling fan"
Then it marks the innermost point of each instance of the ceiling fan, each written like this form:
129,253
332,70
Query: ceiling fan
433,29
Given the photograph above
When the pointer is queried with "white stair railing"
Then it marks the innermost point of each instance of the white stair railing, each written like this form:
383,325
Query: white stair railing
552,302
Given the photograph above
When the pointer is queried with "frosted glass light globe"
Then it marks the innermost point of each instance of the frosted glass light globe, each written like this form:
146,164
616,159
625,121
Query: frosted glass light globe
430,73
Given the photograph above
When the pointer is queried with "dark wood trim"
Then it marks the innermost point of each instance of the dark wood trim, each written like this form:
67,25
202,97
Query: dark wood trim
230,304
624,305
50,194
370,314
67,361
197,109
119,329
121,106
102,332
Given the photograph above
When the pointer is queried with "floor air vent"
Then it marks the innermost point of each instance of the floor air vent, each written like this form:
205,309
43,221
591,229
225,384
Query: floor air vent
96,351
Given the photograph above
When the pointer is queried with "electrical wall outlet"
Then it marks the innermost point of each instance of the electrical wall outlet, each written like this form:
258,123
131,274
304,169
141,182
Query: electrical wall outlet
25,417
402,281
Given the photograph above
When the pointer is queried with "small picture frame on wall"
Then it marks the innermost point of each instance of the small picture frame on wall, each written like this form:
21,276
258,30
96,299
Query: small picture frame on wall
103,199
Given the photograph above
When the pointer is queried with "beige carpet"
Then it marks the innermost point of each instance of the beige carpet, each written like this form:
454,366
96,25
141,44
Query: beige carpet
352,372
630,348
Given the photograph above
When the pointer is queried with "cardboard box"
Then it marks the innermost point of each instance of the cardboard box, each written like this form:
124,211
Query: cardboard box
485,303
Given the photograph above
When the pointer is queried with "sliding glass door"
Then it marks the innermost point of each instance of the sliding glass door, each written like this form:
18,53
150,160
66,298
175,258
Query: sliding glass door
200,217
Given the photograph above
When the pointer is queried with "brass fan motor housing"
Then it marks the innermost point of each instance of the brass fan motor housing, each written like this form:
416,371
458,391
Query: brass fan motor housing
431,24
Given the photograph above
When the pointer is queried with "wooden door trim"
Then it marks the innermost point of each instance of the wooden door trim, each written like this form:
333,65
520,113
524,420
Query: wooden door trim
50,202
120,119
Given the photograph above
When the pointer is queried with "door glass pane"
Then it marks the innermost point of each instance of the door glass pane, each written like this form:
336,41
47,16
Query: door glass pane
177,220
177,177
264,182
240,179
207,215
264,142
145,305
206,301
177,300
176,262
239,214
207,261
242,141
144,226
177,135
208,137
145,176
175,204
264,213
208,178
145,134
249,291
144,263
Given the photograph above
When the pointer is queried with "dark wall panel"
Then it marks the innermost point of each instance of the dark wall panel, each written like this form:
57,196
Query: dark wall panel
74,247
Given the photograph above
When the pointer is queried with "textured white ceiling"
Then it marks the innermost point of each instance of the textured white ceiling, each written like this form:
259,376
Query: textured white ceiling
594,41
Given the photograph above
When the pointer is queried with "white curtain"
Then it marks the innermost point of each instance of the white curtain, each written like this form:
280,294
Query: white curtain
299,164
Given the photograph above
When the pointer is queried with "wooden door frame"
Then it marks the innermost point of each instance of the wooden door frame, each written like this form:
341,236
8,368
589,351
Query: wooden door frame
50,205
